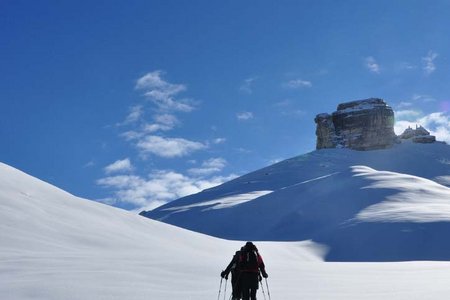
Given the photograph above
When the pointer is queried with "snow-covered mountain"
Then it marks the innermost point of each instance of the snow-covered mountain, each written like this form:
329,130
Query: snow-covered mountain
56,246
380,205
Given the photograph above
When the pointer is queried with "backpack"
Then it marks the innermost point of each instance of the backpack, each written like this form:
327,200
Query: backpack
248,260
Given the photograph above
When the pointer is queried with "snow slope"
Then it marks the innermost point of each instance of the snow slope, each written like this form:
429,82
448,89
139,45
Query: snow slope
382,205
56,246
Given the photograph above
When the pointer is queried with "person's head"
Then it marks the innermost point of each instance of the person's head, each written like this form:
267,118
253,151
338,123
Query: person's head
249,246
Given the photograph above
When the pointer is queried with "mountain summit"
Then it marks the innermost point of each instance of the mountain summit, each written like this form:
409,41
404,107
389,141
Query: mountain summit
361,125
389,204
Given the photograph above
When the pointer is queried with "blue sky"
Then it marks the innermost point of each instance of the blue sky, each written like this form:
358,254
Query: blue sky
136,103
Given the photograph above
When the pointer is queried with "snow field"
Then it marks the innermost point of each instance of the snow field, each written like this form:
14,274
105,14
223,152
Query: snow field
56,246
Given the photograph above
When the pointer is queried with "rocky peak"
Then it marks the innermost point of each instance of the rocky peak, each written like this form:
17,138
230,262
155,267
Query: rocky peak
418,135
361,125
365,104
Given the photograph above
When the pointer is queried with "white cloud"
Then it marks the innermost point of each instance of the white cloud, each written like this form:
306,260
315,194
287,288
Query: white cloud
162,93
400,126
428,62
246,86
131,135
163,122
423,98
168,147
170,104
372,65
153,81
151,128
120,181
406,114
442,133
243,116
159,188
436,118
218,163
212,165
297,83
135,114
119,166
166,119
219,140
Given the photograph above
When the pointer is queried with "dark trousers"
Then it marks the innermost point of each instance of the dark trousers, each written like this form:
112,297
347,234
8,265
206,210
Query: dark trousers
249,285
235,282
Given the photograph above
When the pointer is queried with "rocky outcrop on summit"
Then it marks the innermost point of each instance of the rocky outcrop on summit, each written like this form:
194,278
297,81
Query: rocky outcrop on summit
361,125
418,135
325,131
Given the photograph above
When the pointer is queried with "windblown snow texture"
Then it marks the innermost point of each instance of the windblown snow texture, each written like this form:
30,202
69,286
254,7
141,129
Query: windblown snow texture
381,205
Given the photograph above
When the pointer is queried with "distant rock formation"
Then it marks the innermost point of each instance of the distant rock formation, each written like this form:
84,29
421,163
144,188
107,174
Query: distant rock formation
418,135
361,125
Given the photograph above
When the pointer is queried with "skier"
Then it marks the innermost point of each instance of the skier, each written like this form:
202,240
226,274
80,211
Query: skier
233,267
250,264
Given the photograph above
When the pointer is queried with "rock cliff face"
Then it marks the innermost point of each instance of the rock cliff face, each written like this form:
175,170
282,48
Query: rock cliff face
361,125
325,131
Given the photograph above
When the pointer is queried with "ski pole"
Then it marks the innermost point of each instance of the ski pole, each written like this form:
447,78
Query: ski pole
262,288
268,291
225,293
220,288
